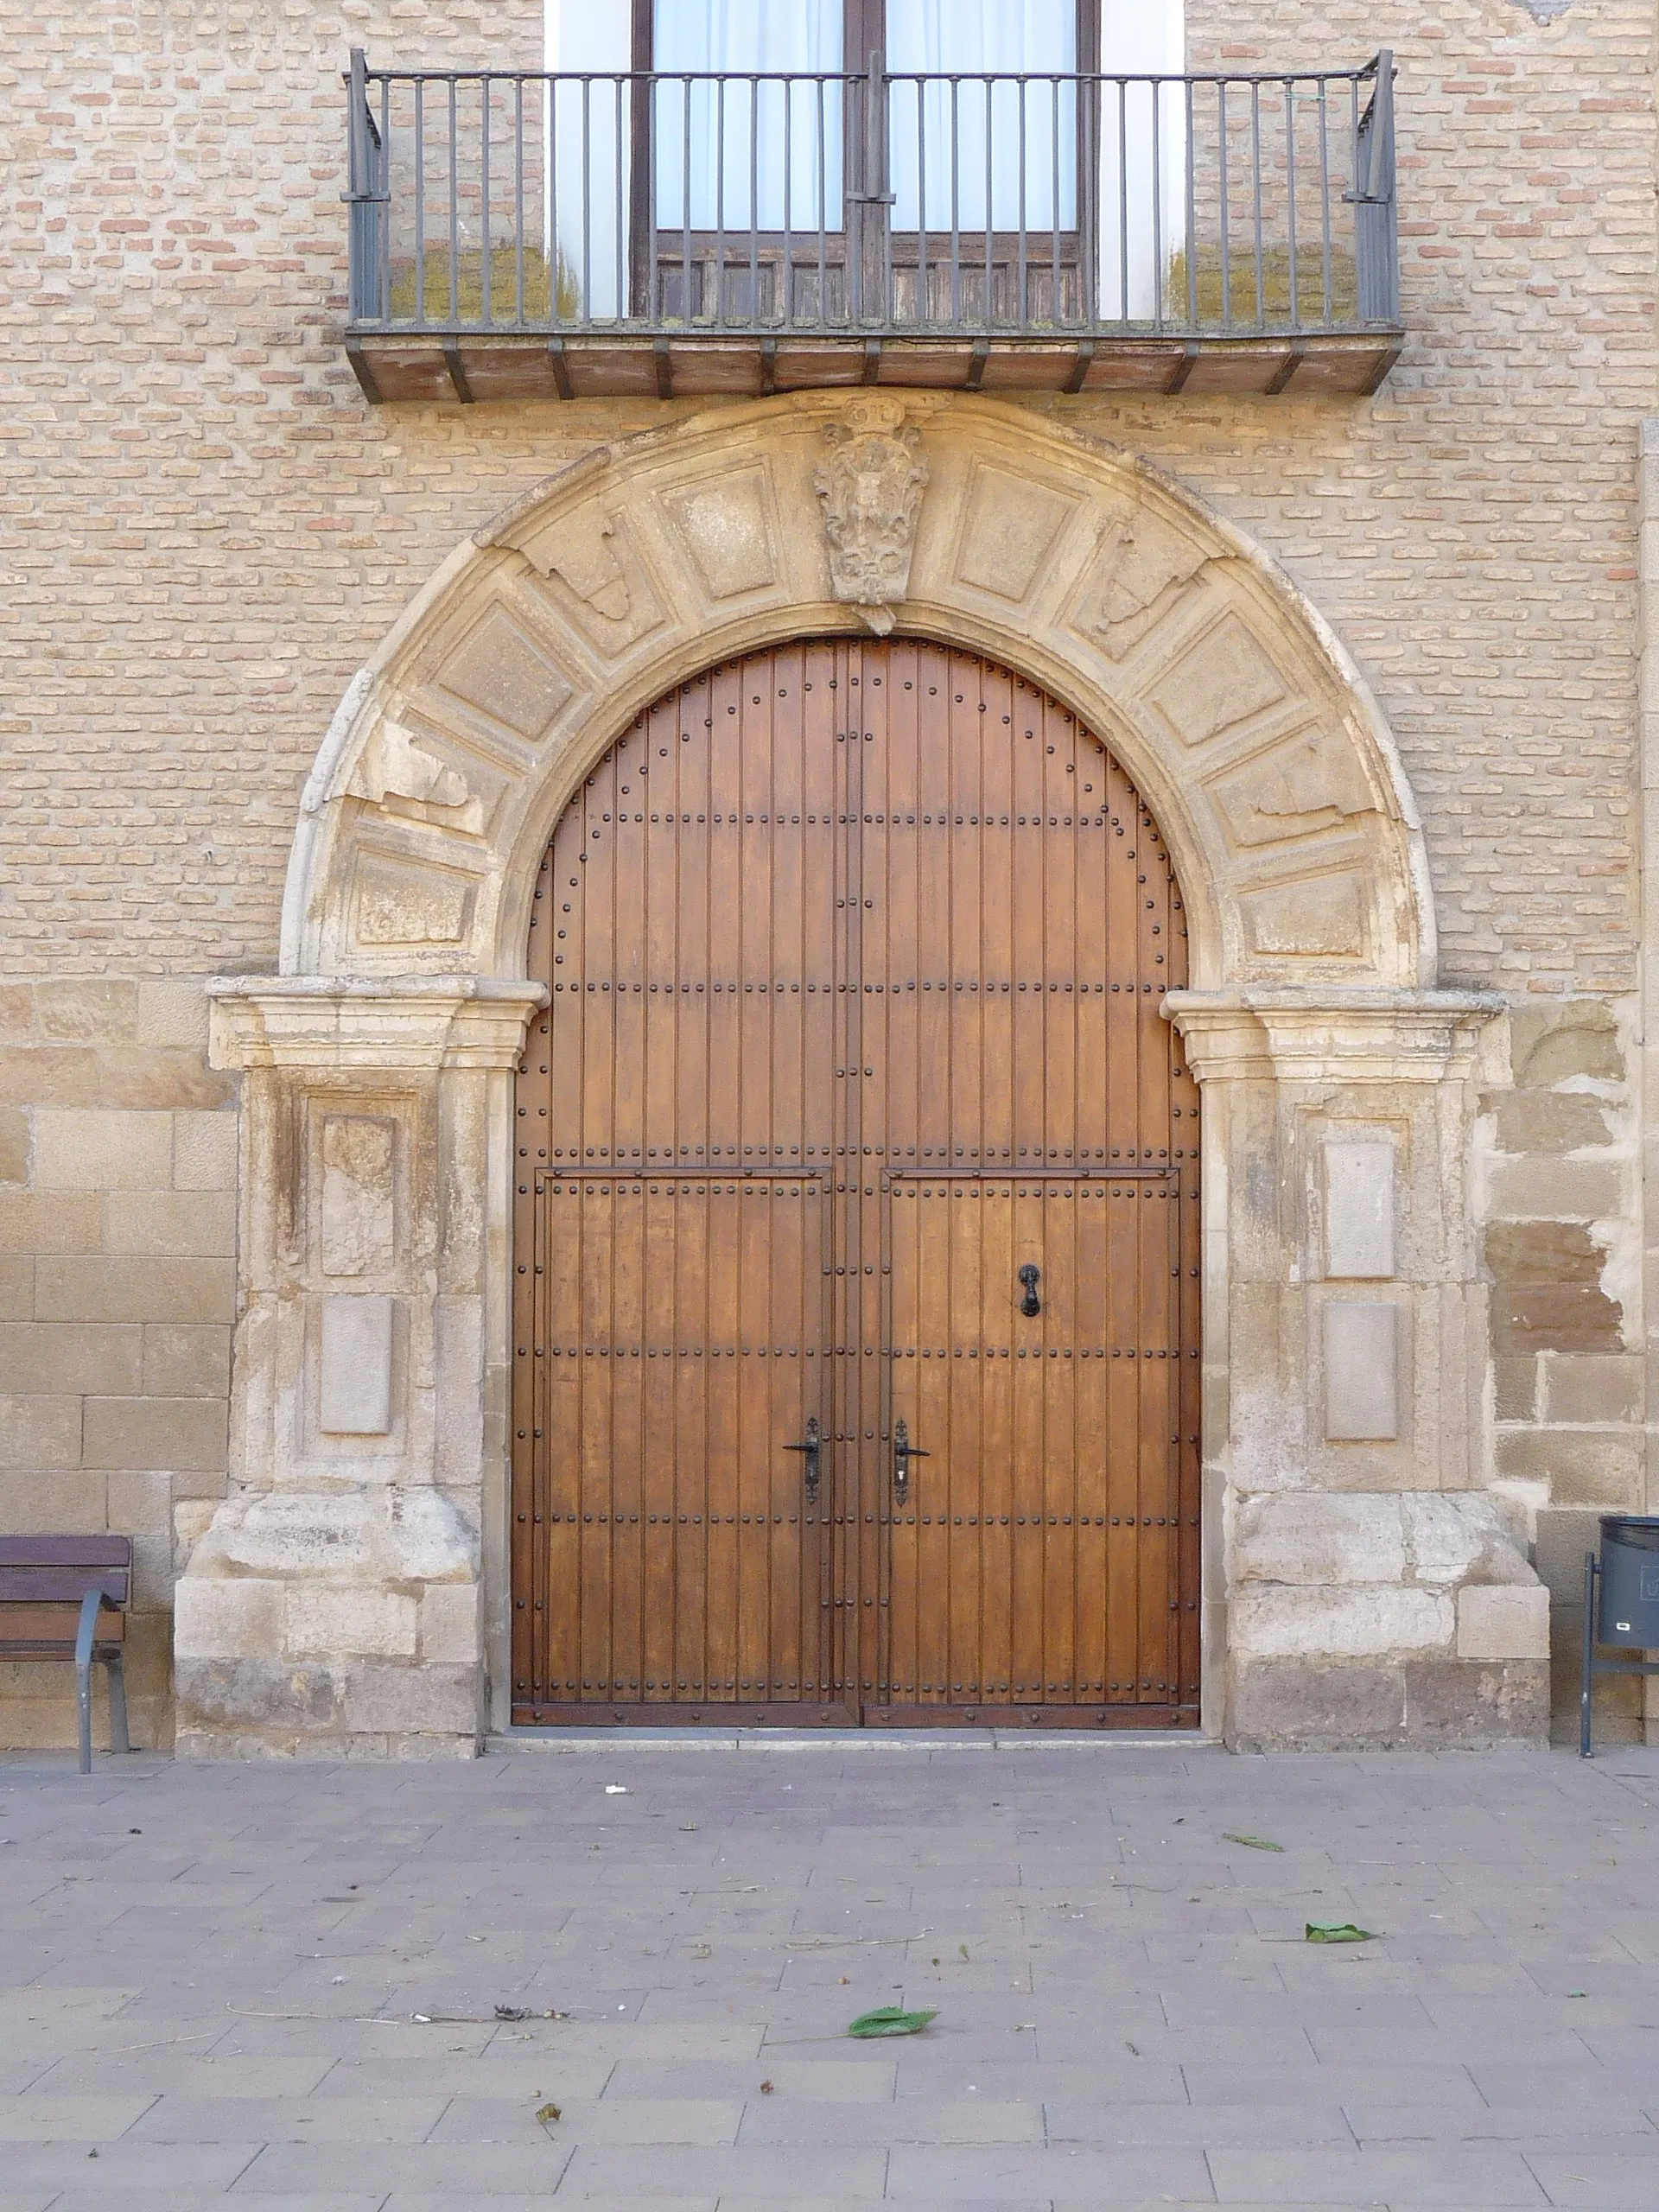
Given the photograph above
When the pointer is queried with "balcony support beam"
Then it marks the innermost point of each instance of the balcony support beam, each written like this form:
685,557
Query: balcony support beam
1183,368
362,372
1293,361
457,369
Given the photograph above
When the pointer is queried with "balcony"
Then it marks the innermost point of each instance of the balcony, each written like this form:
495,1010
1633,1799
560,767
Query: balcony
661,234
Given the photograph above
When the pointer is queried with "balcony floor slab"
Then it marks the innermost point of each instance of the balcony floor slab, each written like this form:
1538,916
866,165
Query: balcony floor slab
463,367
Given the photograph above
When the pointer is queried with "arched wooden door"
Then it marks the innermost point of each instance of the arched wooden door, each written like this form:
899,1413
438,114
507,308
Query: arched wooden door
852,1118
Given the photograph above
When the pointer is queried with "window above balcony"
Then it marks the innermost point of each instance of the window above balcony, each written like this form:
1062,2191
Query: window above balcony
745,196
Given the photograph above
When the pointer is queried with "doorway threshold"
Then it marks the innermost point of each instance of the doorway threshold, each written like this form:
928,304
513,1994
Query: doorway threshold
815,1739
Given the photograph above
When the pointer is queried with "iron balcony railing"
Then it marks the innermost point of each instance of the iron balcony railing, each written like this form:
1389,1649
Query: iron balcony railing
874,203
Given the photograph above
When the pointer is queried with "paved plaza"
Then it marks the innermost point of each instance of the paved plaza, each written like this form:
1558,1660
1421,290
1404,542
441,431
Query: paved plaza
281,1984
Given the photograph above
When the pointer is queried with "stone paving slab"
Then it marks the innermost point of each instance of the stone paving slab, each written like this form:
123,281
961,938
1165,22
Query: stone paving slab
279,1984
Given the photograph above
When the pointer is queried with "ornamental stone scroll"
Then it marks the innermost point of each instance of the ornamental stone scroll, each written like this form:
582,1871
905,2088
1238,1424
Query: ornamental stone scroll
871,489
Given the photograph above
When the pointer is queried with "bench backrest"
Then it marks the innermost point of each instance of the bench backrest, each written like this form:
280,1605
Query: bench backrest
44,1570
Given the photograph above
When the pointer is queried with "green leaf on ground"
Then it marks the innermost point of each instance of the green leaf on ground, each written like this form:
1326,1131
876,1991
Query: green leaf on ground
1337,1931
1252,1842
891,2020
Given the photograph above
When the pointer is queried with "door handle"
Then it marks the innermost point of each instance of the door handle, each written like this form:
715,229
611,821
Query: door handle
1030,1305
903,1452
811,1447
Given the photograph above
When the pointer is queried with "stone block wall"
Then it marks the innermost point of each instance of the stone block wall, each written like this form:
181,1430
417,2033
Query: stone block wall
205,531
1561,1156
117,1243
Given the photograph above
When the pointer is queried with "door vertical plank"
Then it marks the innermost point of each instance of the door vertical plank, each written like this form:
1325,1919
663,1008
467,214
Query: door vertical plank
692,1437
836,911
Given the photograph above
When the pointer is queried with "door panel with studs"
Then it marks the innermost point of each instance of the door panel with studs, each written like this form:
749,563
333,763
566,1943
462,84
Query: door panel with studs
856,1367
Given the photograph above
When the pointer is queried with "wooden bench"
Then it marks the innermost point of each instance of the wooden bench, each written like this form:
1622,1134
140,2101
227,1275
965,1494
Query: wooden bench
65,1597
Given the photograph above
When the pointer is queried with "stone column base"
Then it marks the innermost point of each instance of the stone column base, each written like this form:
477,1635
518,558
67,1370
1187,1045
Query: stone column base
330,1627
332,1608
1352,1705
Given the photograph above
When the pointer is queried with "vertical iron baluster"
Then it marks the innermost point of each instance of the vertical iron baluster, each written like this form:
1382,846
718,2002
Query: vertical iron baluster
420,202
1352,194
383,185
720,203
1123,196
623,117
1022,90
487,97
550,156
1191,214
1290,203
685,201
1324,202
656,281
880,108
1255,169
1089,213
1226,241
587,192
820,86
956,201
1158,286
357,169
922,313
987,87
518,201
757,87
454,215
1054,164
787,274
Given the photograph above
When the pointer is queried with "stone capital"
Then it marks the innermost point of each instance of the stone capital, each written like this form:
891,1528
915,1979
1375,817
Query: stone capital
1292,1034
412,1023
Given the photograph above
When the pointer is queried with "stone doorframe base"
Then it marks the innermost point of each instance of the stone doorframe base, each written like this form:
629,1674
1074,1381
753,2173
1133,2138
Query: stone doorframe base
352,1591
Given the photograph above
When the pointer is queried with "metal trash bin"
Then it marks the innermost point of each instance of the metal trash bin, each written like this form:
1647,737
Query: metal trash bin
1621,1604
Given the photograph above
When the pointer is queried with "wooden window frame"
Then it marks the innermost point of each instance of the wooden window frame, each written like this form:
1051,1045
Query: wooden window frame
863,226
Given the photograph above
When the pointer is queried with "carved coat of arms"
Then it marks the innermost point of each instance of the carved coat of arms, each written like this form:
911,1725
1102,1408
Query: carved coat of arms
871,487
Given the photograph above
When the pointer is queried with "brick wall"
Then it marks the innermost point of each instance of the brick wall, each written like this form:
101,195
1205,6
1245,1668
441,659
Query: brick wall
118,1241
203,531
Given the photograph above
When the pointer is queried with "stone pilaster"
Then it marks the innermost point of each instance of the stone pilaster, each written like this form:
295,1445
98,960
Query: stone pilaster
333,1603
1361,1586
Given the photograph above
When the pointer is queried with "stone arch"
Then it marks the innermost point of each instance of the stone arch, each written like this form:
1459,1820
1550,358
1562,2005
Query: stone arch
354,1586
1243,719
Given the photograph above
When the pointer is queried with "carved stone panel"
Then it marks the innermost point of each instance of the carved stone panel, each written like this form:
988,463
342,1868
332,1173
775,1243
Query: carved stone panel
593,565
1362,1386
1311,783
1359,1207
1321,917
358,1197
871,489
726,527
397,772
398,903
1142,568
503,672
354,1384
1009,528
1223,678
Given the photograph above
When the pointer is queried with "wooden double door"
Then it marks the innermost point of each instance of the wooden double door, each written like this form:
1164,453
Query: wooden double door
855,1373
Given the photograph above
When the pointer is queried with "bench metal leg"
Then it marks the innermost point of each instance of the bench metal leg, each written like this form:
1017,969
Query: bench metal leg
1588,1680
88,1623
118,1739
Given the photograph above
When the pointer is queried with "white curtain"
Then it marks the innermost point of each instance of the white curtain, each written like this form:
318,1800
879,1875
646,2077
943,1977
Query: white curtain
588,163
1143,138
1142,173
975,154
735,156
